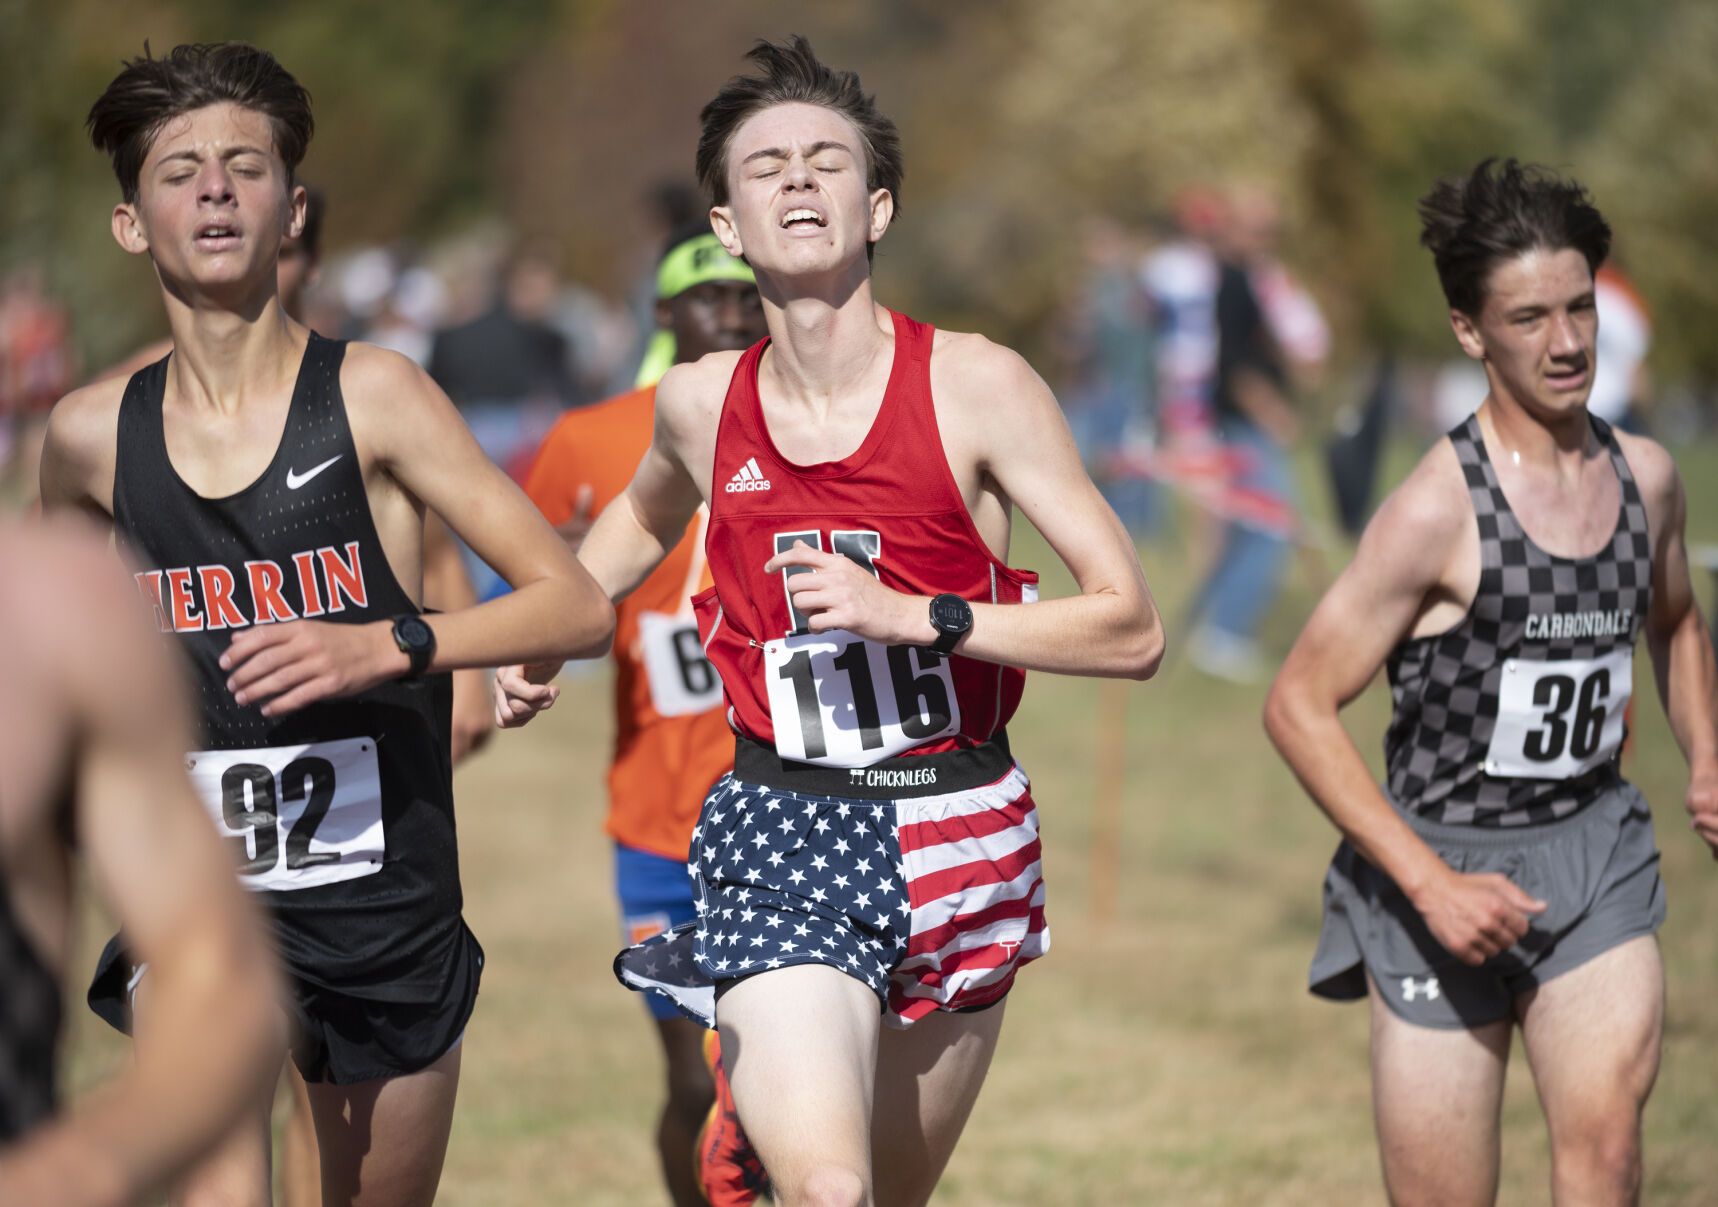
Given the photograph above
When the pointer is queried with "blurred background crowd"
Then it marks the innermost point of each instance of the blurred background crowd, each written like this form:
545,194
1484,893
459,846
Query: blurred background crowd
1196,220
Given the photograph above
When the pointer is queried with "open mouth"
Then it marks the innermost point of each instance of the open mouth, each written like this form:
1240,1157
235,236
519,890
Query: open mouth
217,236
802,218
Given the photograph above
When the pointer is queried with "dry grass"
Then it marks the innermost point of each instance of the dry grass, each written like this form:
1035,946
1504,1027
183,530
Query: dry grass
1173,1056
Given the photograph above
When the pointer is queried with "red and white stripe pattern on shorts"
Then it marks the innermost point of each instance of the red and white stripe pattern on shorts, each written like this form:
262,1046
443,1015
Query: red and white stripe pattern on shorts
975,882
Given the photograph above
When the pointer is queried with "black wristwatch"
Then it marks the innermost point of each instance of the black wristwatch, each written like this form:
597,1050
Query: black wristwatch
951,616
417,641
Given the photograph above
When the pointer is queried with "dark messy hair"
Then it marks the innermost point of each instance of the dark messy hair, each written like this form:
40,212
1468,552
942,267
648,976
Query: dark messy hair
126,119
791,72
1499,211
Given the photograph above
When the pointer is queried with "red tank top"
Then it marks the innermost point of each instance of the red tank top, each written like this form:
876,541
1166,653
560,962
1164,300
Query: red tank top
894,508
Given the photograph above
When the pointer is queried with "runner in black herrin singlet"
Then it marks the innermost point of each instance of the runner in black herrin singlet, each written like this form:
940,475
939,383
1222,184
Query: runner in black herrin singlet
369,910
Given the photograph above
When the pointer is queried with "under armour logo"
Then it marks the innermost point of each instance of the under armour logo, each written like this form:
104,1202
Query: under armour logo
1412,988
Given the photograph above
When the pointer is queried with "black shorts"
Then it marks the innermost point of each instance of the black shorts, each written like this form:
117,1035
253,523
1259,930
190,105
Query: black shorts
338,1037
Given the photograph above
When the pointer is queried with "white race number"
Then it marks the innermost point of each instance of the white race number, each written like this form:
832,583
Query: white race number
297,816
1557,720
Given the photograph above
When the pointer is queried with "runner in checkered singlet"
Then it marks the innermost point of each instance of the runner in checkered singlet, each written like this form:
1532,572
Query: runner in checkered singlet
1531,610
1506,874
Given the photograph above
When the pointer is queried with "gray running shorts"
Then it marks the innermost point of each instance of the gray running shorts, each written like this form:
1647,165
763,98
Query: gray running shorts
1597,872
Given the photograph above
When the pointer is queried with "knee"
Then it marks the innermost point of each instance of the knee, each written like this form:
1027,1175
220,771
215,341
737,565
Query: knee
827,1186
1602,1157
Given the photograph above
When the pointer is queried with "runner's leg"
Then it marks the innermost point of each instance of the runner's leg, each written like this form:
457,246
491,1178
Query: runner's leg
928,1078
690,1093
1437,1096
383,1142
301,1164
800,1046
1592,1037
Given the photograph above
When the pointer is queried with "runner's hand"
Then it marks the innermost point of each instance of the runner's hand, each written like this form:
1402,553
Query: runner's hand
519,694
297,662
838,594
1702,804
1477,915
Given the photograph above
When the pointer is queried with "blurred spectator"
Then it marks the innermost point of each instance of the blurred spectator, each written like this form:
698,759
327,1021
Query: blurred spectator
37,366
1181,279
1259,426
1622,383
1112,404
509,355
509,372
409,315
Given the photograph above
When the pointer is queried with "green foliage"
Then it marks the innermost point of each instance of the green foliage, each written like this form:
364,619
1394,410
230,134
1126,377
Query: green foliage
1019,119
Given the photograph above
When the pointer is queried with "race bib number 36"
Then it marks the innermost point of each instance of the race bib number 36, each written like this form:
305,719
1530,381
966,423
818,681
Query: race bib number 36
296,816
1556,720
843,701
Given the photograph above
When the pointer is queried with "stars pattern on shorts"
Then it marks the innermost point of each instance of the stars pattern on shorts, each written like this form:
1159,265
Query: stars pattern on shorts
781,880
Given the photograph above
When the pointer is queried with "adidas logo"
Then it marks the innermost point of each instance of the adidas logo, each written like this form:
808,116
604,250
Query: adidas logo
750,477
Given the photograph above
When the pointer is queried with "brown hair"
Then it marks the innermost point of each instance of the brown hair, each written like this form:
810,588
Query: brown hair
1498,211
791,72
126,119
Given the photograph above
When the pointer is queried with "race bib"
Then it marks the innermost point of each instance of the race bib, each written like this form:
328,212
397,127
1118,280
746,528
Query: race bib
681,679
1557,720
296,816
842,701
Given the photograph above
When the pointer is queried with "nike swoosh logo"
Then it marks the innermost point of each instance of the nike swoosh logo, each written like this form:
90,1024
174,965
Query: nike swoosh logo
294,481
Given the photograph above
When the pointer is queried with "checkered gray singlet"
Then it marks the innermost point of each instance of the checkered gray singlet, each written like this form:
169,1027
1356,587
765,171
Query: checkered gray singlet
1446,685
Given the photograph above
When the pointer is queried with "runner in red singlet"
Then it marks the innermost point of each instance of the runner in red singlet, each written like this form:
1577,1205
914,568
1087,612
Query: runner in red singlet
874,856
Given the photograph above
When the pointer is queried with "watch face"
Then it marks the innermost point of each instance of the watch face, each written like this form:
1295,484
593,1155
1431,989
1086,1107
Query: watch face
415,633
951,614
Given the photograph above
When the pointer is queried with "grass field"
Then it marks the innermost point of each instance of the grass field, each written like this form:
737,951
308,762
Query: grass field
1172,1056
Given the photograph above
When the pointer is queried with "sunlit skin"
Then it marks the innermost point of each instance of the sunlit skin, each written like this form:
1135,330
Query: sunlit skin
213,204
800,157
1536,334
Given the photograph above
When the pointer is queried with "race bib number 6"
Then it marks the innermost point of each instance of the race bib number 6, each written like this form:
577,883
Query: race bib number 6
1557,720
681,679
296,816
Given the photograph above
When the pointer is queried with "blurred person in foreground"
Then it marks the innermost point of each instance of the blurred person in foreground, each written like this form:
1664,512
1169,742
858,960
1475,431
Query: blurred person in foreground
869,879
672,740
1506,874
93,720
272,486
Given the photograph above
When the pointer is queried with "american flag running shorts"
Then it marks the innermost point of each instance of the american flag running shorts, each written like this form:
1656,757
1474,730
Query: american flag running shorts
934,901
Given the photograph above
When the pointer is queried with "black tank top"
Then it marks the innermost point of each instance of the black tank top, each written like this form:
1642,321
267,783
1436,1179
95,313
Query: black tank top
1515,715
341,813
29,1027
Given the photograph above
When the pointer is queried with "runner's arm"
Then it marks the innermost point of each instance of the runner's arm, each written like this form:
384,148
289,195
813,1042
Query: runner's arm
216,1040
1000,413
409,429
1374,603
1679,643
79,451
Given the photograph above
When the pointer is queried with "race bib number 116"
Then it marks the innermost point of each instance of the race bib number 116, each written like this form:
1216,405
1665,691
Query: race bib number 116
296,816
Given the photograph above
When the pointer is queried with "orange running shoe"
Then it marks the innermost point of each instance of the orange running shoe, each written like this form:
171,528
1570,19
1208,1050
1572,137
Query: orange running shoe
729,1172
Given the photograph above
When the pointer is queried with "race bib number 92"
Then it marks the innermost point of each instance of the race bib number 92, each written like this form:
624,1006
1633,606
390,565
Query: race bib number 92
1557,720
296,816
